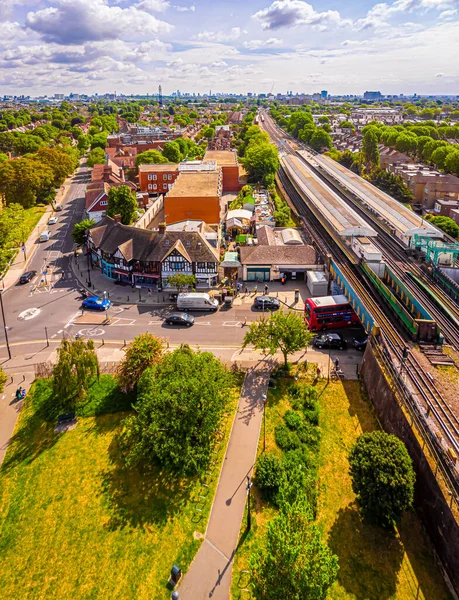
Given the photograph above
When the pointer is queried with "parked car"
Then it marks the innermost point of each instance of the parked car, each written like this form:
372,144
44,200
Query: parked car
58,208
26,277
330,340
96,303
52,221
196,301
183,319
360,343
266,303
45,235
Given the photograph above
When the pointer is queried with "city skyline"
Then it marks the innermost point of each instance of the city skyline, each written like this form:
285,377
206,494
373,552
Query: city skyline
87,46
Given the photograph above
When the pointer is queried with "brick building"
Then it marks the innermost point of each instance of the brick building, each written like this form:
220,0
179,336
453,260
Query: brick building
194,195
226,161
427,185
157,179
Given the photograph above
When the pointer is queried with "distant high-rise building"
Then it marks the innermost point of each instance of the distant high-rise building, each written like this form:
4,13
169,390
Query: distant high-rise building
58,96
372,96
324,94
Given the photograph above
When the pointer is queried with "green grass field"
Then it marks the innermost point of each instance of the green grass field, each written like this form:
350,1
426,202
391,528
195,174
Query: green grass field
31,217
75,523
374,565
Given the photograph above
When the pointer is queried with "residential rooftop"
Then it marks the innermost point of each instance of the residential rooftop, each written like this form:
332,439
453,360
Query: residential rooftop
222,157
196,184
155,168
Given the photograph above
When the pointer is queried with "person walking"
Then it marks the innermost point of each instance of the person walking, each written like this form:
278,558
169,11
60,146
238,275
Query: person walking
336,364
246,290
266,290
318,372
244,322
238,287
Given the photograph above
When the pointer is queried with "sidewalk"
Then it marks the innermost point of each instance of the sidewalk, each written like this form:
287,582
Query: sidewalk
210,573
19,266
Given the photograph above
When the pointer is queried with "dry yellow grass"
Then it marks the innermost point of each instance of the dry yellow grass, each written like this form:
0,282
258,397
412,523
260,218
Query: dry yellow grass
374,565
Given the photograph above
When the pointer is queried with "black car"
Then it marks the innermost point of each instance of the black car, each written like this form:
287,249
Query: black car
183,319
360,344
330,340
266,303
26,277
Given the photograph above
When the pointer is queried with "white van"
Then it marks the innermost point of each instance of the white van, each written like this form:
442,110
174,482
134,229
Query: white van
196,301
44,237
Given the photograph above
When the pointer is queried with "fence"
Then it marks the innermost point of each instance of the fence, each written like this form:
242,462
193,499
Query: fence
150,213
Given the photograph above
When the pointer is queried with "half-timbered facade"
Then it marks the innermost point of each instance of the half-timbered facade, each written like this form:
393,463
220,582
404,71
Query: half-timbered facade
143,257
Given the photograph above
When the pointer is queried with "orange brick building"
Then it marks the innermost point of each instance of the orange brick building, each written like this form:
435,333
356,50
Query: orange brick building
226,161
157,179
195,195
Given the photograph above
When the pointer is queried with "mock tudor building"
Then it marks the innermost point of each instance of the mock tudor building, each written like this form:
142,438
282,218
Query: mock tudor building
137,256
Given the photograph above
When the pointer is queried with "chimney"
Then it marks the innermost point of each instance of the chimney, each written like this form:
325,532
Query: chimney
162,227
117,218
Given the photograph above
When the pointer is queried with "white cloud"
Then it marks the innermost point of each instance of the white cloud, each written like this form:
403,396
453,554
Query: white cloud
293,13
221,36
257,44
10,30
219,63
190,8
153,5
378,15
446,15
79,21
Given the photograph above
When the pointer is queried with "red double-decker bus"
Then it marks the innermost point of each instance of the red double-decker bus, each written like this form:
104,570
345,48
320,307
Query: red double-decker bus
329,312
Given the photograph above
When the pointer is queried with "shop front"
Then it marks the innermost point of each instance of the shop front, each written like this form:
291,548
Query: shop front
258,273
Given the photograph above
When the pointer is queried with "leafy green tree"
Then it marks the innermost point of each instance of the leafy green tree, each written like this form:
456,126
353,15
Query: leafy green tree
26,144
446,224
269,474
74,371
58,161
122,201
150,157
370,150
406,143
171,152
84,142
347,125
23,179
293,562
320,139
440,155
99,140
181,281
382,476
298,121
284,331
391,184
452,162
261,161
180,403
80,230
144,351
96,157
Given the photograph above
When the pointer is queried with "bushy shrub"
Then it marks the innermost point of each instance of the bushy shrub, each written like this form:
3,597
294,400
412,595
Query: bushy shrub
286,439
309,435
293,420
298,483
269,474
312,415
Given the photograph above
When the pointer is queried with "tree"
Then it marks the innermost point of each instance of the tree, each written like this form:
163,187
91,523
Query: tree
171,151
320,139
370,150
180,281
293,562
144,351
96,157
99,140
261,162
406,143
298,120
80,231
452,162
59,162
75,370
269,474
23,179
150,157
180,403
382,476
440,155
391,184
446,224
284,331
122,201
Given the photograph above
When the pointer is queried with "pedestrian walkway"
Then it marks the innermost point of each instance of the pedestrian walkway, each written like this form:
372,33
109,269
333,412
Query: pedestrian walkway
209,575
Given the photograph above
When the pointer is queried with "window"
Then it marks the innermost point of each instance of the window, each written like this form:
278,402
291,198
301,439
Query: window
165,177
165,186
104,202
150,177
169,177
154,186
150,186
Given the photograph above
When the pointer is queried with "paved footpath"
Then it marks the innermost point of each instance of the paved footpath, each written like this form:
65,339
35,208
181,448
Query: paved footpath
210,573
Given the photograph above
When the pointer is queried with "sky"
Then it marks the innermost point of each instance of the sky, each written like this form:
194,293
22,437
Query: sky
262,46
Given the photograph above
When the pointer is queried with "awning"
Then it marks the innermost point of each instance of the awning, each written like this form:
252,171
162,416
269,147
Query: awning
122,272
231,259
155,276
234,223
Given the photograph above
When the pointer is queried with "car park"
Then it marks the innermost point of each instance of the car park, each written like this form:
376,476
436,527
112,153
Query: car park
96,303
360,344
183,319
266,303
26,277
330,340
52,221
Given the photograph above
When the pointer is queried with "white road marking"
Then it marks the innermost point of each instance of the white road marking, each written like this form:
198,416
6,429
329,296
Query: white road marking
60,331
232,323
53,336
118,322
70,322
199,323
155,322
28,314
91,332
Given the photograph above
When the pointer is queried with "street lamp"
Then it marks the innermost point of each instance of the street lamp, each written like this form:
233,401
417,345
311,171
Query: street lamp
4,326
329,338
265,400
247,487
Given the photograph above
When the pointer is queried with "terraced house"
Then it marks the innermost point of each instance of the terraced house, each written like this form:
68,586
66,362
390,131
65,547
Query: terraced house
134,256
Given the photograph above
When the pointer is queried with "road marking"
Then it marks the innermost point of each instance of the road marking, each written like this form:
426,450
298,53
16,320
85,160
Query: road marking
91,332
70,322
155,322
53,336
118,321
231,323
198,323
28,314
60,331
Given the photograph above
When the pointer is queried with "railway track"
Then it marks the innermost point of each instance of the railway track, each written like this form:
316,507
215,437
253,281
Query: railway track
433,412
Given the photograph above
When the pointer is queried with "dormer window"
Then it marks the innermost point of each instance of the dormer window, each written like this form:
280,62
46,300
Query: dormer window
166,242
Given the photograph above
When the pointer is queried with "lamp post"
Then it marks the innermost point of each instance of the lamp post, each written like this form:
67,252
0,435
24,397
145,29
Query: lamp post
249,518
329,357
265,401
4,326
